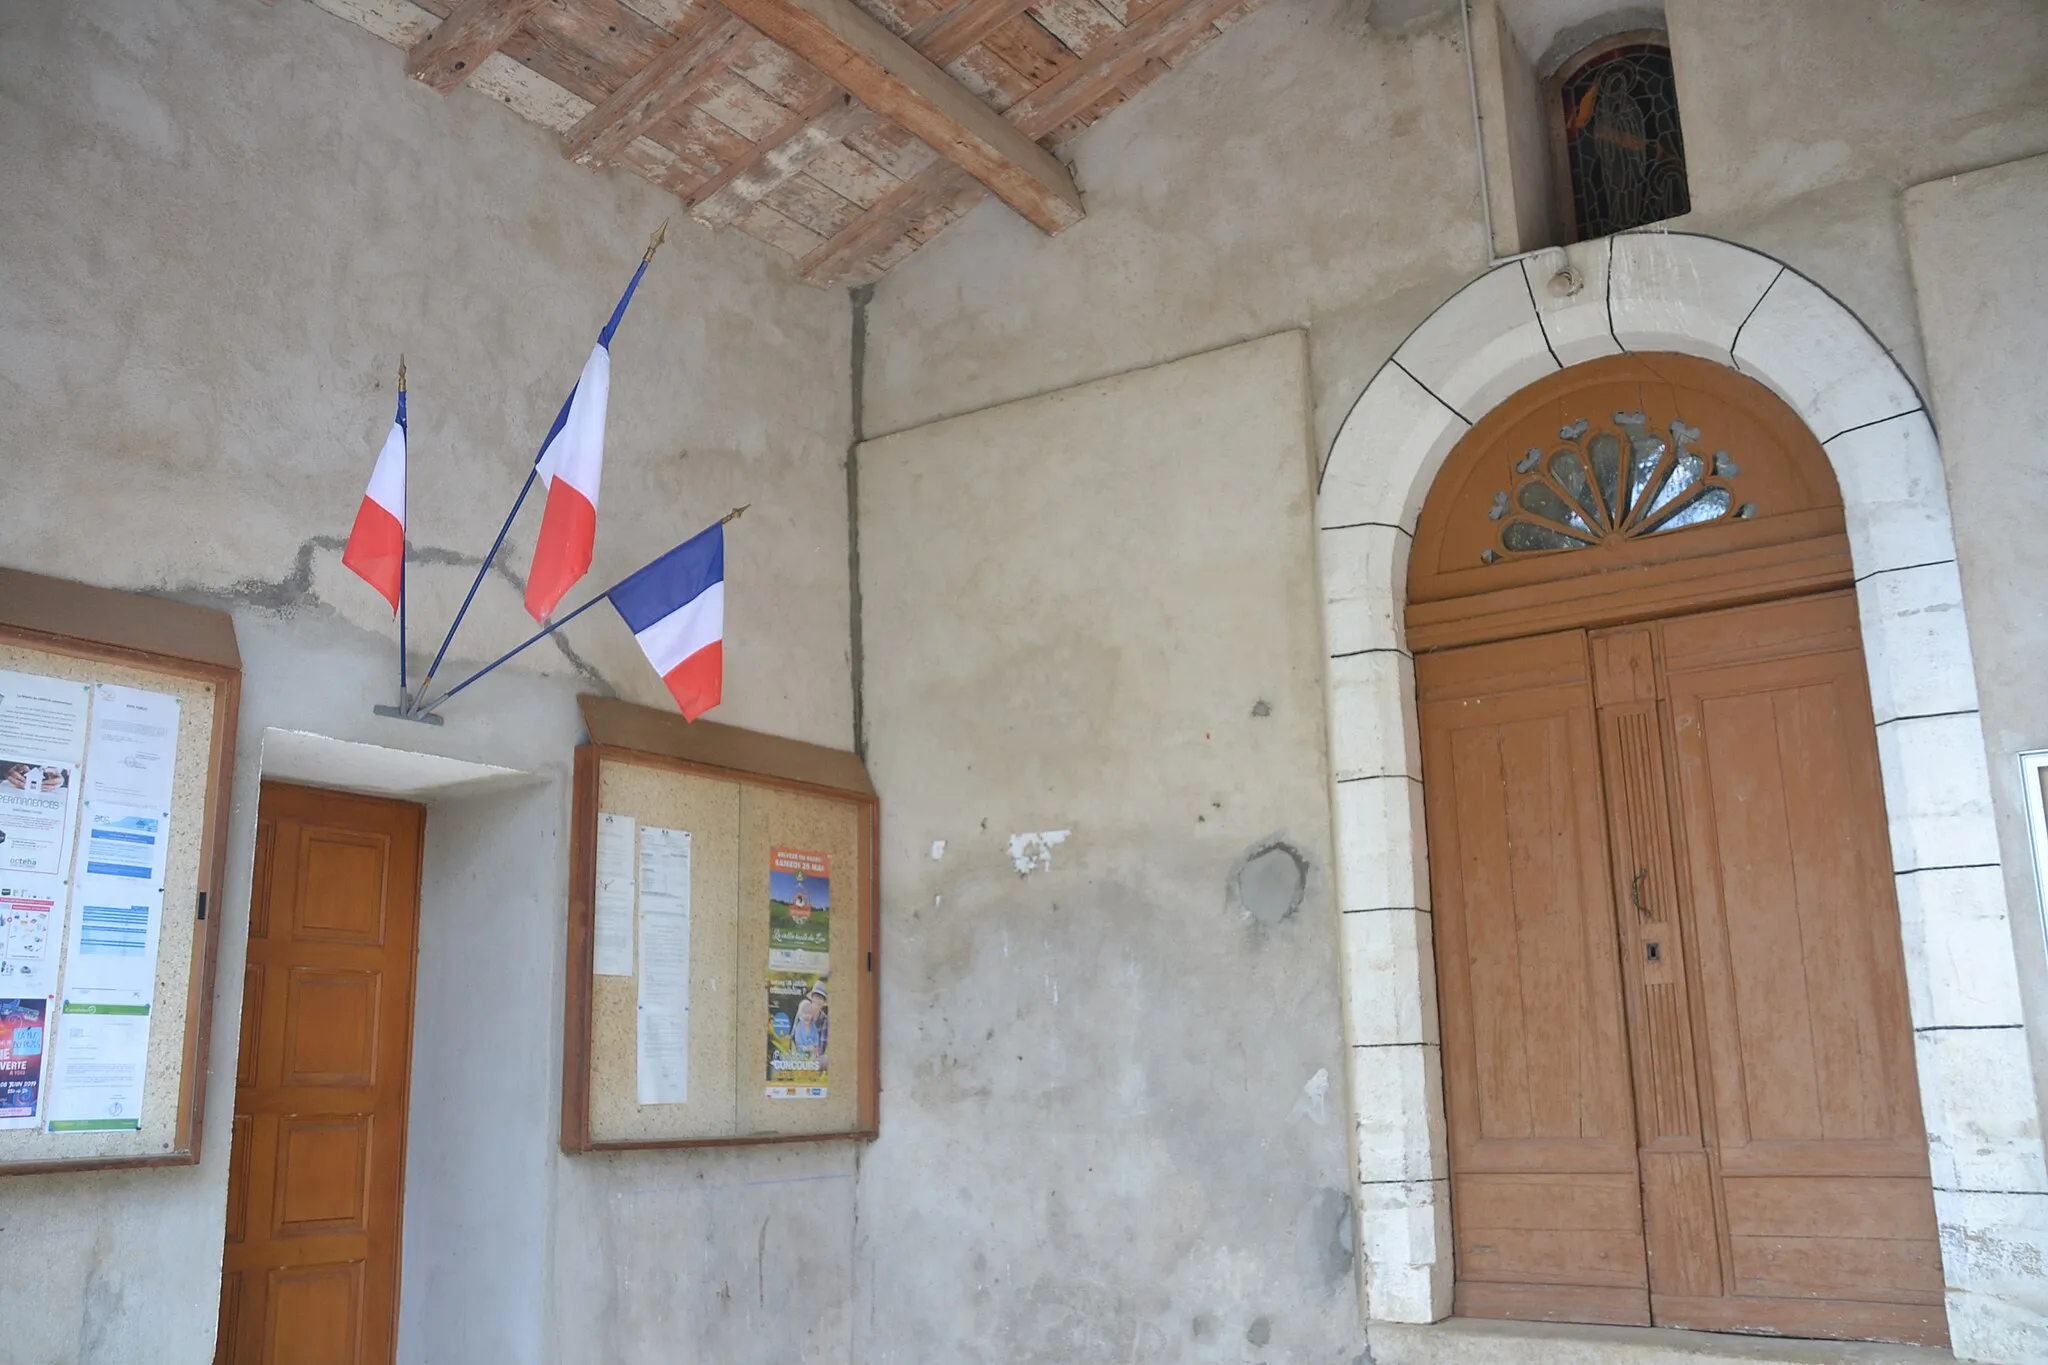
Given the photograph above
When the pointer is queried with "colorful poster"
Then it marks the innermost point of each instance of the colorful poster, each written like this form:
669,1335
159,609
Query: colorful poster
799,911
37,797
799,1031
22,1025
31,928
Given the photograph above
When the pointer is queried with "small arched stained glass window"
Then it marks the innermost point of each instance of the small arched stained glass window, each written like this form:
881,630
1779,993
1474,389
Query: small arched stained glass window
1623,152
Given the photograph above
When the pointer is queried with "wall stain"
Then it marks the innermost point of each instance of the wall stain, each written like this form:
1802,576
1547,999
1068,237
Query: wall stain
294,592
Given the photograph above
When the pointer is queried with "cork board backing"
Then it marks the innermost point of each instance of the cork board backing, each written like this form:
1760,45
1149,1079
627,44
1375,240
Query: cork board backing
734,819
169,1128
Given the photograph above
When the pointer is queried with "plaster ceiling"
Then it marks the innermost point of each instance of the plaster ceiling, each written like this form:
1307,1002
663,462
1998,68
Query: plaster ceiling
846,133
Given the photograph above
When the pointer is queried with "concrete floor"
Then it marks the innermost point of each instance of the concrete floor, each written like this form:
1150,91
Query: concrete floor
1472,1341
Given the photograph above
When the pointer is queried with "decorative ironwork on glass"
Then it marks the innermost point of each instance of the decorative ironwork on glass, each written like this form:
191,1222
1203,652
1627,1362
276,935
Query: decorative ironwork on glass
1623,149
1619,483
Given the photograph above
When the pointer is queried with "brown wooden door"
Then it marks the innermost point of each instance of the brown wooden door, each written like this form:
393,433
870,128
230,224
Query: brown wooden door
1659,862
316,1178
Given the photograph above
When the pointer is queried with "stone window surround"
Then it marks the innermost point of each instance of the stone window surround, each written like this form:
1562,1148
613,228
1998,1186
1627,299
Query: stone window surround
1659,291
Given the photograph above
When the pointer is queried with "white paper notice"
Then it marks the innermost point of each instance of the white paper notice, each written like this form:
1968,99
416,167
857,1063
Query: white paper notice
102,1057
663,1017
118,901
42,719
614,931
133,748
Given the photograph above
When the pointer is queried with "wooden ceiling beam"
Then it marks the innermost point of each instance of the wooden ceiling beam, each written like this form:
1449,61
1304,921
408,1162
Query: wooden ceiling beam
472,31
845,258
657,89
889,76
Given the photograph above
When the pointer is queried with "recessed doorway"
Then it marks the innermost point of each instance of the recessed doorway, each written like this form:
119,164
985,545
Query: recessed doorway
1678,1064
316,1176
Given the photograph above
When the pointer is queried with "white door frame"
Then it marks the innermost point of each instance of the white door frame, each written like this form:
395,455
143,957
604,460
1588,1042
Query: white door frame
1704,297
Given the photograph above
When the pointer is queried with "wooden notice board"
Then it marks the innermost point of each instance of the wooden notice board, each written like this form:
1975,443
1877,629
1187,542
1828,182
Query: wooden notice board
118,710
722,923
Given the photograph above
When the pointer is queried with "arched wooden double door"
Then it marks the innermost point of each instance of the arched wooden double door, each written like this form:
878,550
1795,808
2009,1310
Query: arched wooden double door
1677,1057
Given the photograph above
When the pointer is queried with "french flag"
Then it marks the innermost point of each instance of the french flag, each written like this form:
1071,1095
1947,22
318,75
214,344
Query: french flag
376,544
571,467
676,610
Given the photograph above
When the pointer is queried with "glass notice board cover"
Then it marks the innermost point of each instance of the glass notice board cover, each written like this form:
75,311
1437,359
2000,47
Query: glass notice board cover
117,724
722,954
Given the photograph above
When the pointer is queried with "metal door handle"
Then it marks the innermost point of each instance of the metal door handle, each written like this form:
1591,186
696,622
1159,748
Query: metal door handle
1635,893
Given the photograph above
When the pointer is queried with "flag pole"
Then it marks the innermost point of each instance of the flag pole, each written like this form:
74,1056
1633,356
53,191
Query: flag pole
426,709
404,492
561,419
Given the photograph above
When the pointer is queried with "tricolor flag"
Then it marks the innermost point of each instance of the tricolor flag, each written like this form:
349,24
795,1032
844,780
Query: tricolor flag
376,544
676,610
571,465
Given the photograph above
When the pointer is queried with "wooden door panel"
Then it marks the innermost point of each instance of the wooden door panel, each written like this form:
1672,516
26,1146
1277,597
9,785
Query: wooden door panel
1545,1200
315,1315
316,1175
331,1027
1681,1225
1828,1217
1579,1230
1797,928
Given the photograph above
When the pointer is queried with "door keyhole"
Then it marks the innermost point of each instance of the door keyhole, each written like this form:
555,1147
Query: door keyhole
1653,953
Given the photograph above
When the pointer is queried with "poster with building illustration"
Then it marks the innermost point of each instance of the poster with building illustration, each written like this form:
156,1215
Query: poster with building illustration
22,1034
799,911
799,961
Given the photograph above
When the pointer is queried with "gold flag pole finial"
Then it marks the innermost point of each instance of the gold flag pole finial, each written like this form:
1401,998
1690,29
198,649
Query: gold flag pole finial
735,514
654,242
401,372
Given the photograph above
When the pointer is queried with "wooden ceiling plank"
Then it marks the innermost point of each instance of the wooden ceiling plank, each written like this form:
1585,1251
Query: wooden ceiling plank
741,106
663,166
847,173
677,16
472,31
891,78
816,207
784,153
892,148
1080,87
882,224
779,231
1080,24
946,37
1024,44
657,89
779,74
990,79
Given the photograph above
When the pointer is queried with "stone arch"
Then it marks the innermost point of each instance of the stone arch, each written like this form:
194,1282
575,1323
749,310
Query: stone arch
1513,325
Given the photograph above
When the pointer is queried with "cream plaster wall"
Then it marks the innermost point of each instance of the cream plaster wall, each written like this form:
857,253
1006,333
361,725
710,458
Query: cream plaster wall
1112,1127
221,223
1978,246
